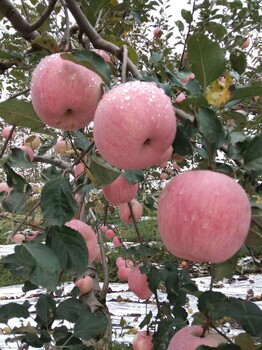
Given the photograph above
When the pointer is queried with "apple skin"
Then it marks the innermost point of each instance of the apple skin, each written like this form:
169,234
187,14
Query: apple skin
85,284
110,234
125,214
246,44
62,146
32,141
116,242
137,283
157,33
89,236
123,273
189,338
134,125
122,262
180,97
18,238
103,54
6,188
203,216
6,132
120,191
29,151
65,94
79,170
143,341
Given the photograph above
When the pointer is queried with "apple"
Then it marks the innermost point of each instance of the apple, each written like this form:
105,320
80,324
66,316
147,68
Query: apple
122,262
123,273
203,216
18,238
85,284
110,234
32,141
246,43
120,191
143,341
103,228
180,97
79,170
190,337
163,176
157,33
186,79
29,151
183,264
116,242
89,236
103,54
6,188
125,214
62,146
6,132
134,125
32,235
138,284
65,94
166,156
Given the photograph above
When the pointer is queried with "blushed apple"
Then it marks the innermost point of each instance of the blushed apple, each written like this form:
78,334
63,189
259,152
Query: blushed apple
103,228
180,97
110,233
123,273
120,191
122,262
189,338
138,284
65,94
89,236
125,213
143,341
157,33
163,176
134,125
6,132
32,141
186,79
246,43
62,146
79,170
203,216
85,284
18,238
116,242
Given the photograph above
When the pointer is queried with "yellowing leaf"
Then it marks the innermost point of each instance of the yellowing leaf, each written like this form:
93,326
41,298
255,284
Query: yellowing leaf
219,92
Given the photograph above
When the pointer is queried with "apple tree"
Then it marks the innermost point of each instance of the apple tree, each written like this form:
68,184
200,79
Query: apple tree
103,101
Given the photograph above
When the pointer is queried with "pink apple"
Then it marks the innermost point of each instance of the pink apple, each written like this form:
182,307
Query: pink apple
157,33
62,146
6,188
122,262
18,238
32,141
138,284
103,54
120,191
110,233
123,273
125,214
246,43
203,216
85,284
6,132
186,79
163,176
89,236
116,242
103,228
180,97
166,156
143,341
79,170
65,94
189,338
134,125
29,151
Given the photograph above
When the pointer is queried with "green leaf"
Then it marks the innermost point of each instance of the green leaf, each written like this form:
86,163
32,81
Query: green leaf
80,140
246,91
225,269
45,310
217,29
19,159
69,247
71,309
220,347
186,15
156,57
58,202
62,336
103,171
92,61
134,176
253,154
209,301
132,54
210,127
90,325
12,310
245,341
206,58
20,113
238,61
181,144
46,42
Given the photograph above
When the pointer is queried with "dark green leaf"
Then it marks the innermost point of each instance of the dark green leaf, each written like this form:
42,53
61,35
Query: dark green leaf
90,325
225,269
46,42
220,347
181,144
209,301
45,310
71,309
19,159
103,171
238,61
12,310
186,15
246,91
253,153
80,140
58,202
134,176
217,29
206,58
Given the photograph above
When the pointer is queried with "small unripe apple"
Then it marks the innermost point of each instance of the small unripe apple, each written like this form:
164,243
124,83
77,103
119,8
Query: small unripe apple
123,273
65,94
85,284
246,43
125,213
110,233
157,33
120,191
62,146
32,141
190,337
89,236
6,132
143,341
134,125
29,151
138,284
203,216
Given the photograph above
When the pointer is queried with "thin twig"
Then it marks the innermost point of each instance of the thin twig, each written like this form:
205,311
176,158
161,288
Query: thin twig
19,221
135,223
124,64
6,141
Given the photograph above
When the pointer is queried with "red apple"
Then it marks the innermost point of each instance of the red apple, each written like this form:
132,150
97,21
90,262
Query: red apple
6,132
29,151
123,273
138,284
117,242
186,79
65,94
18,238
203,216
183,264
166,156
163,176
103,228
79,170
85,284
62,146
189,338
180,97
32,141
120,191
157,33
89,236
125,214
110,234
122,262
134,125
143,341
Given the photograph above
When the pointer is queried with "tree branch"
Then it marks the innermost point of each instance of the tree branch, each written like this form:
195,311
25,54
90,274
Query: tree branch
53,161
97,41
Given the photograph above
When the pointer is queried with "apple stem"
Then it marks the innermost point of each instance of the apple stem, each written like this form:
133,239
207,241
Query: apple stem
135,223
204,332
